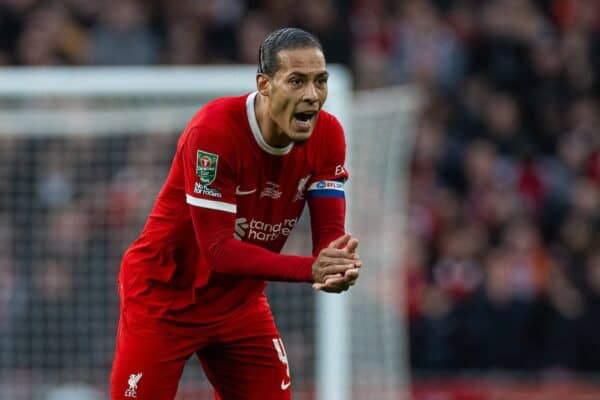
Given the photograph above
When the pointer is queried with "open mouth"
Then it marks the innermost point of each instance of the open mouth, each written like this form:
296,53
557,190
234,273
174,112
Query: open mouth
304,116
303,121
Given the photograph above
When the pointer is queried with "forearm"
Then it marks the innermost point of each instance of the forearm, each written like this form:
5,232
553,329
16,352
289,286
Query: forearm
224,254
231,256
327,217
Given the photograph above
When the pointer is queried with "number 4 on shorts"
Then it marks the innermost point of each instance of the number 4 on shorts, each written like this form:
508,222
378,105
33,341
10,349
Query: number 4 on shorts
278,344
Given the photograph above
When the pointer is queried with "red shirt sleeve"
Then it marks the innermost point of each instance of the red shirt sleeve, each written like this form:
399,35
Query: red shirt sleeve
326,220
325,193
209,175
214,234
330,155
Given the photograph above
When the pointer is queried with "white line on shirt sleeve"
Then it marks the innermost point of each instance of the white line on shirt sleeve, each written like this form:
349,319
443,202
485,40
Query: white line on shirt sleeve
211,204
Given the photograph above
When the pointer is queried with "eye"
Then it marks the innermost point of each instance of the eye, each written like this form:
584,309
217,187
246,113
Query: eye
322,81
296,82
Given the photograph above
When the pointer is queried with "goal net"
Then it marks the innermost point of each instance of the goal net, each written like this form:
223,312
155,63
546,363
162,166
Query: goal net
83,153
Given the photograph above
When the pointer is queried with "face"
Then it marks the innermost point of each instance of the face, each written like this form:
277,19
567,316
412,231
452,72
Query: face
297,92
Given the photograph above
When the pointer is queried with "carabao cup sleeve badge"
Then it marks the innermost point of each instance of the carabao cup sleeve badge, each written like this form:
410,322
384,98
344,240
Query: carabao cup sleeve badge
206,166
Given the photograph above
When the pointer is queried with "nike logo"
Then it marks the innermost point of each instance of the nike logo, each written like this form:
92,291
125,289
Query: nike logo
285,385
240,192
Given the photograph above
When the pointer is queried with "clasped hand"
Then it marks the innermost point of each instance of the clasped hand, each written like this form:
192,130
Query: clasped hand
337,266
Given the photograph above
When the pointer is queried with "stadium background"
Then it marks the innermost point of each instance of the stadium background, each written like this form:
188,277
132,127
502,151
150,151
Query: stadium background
502,279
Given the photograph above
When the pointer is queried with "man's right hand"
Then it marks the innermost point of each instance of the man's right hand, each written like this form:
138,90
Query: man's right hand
336,267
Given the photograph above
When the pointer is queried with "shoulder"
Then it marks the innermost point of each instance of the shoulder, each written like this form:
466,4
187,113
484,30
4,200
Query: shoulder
217,122
329,131
220,113
329,122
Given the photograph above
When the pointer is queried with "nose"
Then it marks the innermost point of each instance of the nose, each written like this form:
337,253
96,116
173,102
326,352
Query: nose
310,93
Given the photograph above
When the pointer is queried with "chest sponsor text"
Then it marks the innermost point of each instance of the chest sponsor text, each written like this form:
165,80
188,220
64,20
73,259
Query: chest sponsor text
263,231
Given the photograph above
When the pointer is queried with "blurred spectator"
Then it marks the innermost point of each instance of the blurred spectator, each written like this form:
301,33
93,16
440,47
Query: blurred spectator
415,277
526,258
55,188
321,18
122,35
46,333
253,28
423,48
562,311
434,334
457,270
495,329
13,295
590,325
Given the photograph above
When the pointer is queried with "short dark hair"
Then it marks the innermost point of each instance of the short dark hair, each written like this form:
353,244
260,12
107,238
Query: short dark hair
283,39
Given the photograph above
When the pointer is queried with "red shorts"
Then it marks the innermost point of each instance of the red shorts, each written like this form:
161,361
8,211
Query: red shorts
243,358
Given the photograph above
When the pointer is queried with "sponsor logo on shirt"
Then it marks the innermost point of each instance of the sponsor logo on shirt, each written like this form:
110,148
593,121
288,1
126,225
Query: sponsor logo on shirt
206,166
262,231
327,185
271,191
207,191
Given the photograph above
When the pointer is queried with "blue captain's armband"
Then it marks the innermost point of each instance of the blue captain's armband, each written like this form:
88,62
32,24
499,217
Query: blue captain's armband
326,188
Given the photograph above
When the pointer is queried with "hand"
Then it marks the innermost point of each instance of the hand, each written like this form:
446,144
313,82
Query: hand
339,283
348,264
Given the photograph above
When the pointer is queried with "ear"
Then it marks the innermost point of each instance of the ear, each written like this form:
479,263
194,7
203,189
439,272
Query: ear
263,84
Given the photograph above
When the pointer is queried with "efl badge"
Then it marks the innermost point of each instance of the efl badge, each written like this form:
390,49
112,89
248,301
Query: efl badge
206,166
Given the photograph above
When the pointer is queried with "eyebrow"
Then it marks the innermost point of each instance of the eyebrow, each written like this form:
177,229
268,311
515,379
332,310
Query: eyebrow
303,75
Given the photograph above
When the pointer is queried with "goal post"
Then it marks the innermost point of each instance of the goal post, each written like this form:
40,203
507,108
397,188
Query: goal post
381,144
83,152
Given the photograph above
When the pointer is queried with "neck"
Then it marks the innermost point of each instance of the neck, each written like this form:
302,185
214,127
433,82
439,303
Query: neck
269,130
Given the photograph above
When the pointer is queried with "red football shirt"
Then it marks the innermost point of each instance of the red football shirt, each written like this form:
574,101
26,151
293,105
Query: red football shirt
226,182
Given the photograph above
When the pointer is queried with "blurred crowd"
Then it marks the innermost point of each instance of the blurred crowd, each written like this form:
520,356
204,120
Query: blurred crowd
68,208
503,258
503,263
